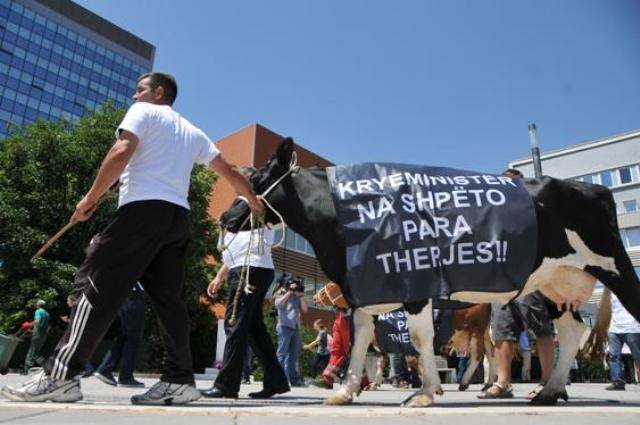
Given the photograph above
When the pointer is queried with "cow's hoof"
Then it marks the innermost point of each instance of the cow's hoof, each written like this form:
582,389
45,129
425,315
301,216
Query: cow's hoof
548,399
543,400
463,387
338,399
418,400
438,390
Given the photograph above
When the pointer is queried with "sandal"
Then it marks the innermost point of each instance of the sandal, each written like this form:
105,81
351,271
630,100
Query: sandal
534,392
497,391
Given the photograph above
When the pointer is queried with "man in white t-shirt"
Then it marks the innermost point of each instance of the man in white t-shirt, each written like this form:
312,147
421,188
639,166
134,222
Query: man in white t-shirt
155,151
624,329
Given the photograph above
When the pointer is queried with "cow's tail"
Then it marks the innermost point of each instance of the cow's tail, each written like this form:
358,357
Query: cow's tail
594,347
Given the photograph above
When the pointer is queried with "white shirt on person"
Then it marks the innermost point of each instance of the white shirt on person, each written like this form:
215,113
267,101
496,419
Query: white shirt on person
236,253
621,321
168,148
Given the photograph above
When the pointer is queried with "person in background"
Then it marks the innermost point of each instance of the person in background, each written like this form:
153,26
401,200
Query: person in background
124,349
321,344
462,364
247,328
623,329
290,304
339,349
525,353
507,322
40,328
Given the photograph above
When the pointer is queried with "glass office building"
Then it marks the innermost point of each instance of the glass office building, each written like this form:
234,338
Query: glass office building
59,60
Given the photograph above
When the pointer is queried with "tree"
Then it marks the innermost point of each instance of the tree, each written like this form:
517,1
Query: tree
45,169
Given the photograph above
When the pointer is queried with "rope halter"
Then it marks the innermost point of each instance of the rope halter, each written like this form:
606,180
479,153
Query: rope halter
257,224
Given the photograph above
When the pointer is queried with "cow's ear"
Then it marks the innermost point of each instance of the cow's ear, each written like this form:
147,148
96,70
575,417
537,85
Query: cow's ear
285,151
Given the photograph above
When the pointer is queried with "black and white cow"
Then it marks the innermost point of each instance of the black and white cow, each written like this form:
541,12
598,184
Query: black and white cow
578,242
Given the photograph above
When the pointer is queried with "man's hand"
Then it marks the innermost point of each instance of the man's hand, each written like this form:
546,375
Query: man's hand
214,286
84,210
256,206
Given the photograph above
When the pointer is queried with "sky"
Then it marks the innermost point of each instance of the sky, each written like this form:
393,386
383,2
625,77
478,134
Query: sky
445,83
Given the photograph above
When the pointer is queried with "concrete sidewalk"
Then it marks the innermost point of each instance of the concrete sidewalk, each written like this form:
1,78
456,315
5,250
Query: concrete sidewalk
104,404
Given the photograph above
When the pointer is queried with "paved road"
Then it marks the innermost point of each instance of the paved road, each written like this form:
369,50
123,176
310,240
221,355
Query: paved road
103,404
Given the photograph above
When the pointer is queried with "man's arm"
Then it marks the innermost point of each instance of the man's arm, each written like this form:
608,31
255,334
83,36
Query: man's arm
239,183
112,166
283,298
221,276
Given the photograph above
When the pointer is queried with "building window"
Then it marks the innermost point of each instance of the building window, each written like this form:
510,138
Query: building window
630,206
630,236
625,175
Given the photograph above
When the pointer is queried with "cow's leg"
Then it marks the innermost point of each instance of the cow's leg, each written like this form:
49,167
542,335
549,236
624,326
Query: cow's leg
421,332
491,375
363,328
476,353
571,334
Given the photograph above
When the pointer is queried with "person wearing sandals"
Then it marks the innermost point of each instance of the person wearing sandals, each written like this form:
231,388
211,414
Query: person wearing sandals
508,321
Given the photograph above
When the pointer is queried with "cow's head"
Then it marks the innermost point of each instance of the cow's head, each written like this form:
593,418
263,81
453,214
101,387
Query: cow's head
262,179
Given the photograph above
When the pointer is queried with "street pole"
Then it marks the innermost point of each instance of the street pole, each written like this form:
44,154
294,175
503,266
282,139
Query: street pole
535,151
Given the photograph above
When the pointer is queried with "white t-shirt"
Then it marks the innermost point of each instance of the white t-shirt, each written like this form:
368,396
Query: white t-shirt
621,321
160,168
236,252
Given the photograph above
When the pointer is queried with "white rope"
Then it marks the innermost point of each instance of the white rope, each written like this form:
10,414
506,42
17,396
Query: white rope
243,281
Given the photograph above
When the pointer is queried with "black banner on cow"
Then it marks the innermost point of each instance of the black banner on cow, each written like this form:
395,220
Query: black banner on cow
392,333
416,232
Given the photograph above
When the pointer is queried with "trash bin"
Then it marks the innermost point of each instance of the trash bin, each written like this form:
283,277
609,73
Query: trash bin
8,344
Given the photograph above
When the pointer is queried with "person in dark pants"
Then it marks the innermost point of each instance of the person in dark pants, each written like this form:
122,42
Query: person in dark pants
321,344
248,325
247,367
124,349
153,156
40,329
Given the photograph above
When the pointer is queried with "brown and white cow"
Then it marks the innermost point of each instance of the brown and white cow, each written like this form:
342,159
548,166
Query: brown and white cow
471,335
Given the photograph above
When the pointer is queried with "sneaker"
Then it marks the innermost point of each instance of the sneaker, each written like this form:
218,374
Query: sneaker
615,386
165,394
106,377
131,383
41,387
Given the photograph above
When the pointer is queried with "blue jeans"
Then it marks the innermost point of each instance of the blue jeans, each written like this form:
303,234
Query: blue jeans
616,341
463,364
289,346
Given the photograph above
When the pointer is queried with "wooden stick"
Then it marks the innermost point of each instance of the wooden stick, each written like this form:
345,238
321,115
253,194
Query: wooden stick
52,240
68,226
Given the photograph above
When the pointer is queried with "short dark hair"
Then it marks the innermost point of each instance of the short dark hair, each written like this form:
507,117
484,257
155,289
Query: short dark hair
167,81
513,172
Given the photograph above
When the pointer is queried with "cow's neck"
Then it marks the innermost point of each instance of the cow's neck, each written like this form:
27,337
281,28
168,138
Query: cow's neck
313,216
